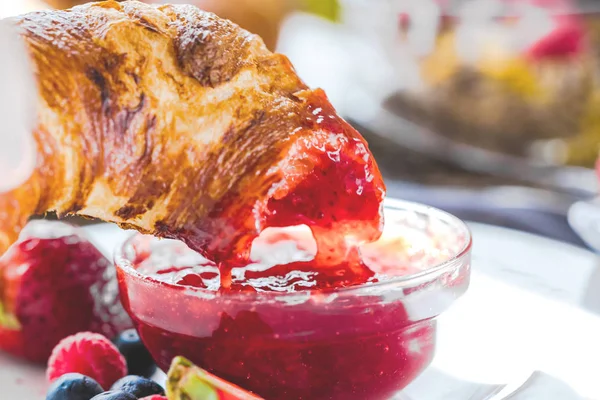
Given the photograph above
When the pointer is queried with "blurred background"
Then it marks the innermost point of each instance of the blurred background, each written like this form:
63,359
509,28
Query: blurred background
489,109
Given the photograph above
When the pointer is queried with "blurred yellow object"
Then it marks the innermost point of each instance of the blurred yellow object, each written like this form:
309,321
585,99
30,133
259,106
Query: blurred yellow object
329,9
583,149
514,74
511,72
441,64
64,3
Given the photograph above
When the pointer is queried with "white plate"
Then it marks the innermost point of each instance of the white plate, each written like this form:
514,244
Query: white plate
532,306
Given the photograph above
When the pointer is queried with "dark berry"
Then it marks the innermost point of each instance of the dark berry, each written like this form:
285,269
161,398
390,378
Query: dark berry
138,386
73,387
115,395
139,360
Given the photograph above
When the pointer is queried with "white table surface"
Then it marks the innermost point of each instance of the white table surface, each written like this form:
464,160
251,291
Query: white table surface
533,305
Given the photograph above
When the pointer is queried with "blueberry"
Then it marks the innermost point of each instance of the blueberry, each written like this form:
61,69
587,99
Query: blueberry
138,386
139,360
115,395
73,387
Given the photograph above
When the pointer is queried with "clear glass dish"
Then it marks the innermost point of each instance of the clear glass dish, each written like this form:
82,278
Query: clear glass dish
367,341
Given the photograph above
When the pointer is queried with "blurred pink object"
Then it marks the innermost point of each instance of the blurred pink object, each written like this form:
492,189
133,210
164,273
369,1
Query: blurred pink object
17,110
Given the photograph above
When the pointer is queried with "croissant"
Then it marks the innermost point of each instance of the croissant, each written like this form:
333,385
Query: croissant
174,122
263,17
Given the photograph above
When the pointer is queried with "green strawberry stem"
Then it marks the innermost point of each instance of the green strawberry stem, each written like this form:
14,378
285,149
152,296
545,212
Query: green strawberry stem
185,381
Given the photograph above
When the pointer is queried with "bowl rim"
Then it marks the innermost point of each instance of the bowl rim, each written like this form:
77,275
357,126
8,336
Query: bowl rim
456,260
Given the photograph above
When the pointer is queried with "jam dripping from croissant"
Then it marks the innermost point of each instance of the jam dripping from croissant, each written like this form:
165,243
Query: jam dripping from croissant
339,217
339,197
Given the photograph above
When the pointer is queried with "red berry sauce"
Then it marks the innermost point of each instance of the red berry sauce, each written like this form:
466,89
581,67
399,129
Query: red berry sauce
286,331
327,179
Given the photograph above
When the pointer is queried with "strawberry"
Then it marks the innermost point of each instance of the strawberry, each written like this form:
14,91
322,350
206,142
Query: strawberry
54,283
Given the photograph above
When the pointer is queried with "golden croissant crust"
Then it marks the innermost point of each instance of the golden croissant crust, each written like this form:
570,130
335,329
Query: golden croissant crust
174,122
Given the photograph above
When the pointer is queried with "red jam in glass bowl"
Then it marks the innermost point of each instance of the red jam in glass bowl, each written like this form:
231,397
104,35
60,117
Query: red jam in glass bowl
278,332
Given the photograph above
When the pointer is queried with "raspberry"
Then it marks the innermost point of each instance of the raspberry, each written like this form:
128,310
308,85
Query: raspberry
90,354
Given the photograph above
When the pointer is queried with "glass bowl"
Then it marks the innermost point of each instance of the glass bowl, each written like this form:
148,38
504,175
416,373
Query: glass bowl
366,341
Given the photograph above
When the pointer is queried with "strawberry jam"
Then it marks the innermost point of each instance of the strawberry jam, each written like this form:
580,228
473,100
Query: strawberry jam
322,176
289,328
